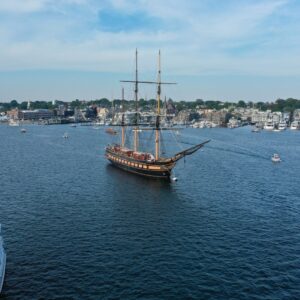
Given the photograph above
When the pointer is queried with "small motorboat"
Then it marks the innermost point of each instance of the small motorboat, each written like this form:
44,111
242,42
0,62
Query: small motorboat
256,130
23,130
2,261
276,158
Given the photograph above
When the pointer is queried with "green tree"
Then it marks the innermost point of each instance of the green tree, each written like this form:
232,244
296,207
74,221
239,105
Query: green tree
14,104
241,103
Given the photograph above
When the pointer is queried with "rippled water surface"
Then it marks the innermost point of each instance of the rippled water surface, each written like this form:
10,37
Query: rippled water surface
77,228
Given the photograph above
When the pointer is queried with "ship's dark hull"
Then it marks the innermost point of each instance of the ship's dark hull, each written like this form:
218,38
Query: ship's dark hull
147,173
151,170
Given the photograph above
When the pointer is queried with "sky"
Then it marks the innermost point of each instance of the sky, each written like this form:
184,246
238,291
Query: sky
215,50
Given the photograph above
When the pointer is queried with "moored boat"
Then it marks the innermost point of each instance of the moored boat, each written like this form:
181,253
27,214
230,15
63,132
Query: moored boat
295,125
13,123
282,126
269,125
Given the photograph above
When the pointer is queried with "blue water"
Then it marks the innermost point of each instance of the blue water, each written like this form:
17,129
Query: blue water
77,228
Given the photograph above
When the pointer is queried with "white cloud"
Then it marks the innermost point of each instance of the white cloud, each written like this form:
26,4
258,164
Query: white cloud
195,38
21,6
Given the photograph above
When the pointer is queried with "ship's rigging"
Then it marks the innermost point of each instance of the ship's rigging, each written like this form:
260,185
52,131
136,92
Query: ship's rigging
144,163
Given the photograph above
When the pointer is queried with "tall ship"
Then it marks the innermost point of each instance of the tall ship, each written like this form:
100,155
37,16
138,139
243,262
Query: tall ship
2,261
148,164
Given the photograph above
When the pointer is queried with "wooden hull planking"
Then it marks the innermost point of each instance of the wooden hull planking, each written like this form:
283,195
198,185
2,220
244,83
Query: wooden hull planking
154,170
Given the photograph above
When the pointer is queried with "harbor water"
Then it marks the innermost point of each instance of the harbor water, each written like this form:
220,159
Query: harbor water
77,228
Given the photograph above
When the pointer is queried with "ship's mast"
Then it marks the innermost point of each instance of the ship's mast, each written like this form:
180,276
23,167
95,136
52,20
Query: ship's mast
158,83
113,109
165,107
157,126
123,121
135,147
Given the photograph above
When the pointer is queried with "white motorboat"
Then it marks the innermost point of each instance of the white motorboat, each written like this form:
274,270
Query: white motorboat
276,158
295,125
282,125
269,125
234,123
2,262
23,130
13,123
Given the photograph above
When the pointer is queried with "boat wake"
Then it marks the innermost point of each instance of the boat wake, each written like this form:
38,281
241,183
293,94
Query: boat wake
231,148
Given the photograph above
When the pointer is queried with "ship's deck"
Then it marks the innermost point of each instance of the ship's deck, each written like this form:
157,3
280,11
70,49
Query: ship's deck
141,157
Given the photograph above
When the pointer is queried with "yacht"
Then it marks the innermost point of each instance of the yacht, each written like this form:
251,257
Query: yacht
269,125
276,158
233,123
282,125
13,123
295,125
2,262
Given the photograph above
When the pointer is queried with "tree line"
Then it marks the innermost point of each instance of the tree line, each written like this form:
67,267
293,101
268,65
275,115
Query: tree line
282,105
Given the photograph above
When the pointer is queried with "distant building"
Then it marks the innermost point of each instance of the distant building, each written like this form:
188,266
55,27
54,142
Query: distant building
102,113
260,116
91,112
13,114
296,115
186,116
69,113
286,116
61,110
36,114
217,117
276,116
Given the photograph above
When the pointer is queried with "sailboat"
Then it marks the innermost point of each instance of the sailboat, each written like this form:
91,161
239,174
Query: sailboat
146,163
111,130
